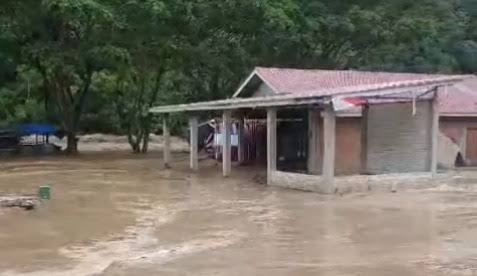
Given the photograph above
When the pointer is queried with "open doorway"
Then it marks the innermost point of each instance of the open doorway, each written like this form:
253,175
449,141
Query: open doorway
292,140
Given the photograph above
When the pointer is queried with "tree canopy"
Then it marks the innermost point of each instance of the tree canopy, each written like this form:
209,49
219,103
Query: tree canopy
98,65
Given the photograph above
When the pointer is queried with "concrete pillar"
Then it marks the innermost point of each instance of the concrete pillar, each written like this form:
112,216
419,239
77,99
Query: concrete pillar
271,142
329,135
166,149
194,143
314,146
434,132
364,140
241,141
226,147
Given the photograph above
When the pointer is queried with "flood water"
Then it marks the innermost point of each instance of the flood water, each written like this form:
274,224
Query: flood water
118,214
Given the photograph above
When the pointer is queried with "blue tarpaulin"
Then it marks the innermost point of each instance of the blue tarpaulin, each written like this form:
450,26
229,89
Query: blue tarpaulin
36,129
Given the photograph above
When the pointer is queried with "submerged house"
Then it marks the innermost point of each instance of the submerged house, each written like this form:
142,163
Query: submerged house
362,124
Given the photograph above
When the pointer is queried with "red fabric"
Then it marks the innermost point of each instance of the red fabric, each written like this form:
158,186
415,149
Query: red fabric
356,101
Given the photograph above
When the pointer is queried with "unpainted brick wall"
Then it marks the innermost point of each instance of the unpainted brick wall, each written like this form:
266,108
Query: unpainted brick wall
348,146
399,141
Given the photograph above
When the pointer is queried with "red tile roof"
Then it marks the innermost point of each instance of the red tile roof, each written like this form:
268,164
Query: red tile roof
297,81
459,99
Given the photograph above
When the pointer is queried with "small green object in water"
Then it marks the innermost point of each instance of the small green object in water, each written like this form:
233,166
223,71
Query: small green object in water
44,192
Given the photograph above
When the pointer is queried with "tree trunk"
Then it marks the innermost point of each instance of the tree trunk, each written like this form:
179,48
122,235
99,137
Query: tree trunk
134,142
147,131
145,142
72,143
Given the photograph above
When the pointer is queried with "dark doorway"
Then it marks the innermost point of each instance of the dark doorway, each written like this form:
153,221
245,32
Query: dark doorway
292,141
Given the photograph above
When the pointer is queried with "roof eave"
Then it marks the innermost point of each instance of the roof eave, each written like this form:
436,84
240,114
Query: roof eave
244,84
453,114
311,98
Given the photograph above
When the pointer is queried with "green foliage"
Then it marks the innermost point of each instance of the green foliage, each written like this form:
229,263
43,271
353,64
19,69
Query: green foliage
98,65
466,55
63,41
20,100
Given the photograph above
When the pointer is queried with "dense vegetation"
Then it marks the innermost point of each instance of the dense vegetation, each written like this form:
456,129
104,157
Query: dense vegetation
98,65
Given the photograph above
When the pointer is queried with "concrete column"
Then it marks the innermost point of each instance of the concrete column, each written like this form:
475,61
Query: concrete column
434,132
166,150
226,147
364,140
314,146
194,143
271,142
329,134
241,142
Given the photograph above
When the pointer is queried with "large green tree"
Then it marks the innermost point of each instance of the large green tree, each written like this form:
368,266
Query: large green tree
136,83
119,58
67,42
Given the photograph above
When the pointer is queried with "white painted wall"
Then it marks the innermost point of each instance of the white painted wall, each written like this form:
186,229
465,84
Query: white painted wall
263,90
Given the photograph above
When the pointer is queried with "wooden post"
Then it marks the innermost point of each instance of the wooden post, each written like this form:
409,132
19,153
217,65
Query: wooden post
434,132
364,140
167,142
463,143
271,142
314,146
226,147
329,128
241,141
194,143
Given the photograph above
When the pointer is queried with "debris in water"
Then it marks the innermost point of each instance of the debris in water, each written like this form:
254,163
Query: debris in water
25,202
44,192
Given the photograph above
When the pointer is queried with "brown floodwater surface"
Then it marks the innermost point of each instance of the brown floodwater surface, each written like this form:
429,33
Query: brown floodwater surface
121,214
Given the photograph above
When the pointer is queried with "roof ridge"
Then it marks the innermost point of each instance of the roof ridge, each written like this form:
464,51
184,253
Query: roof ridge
352,70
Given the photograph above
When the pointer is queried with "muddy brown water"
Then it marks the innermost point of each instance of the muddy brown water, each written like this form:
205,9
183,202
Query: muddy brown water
118,214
